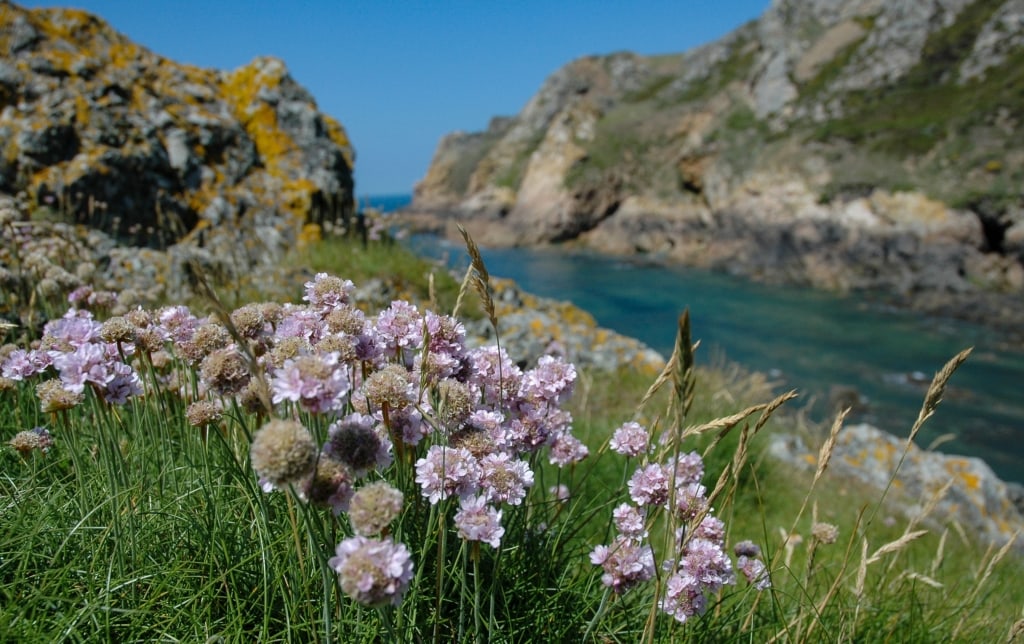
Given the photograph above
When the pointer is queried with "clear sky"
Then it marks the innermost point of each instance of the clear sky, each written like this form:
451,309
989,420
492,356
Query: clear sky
400,74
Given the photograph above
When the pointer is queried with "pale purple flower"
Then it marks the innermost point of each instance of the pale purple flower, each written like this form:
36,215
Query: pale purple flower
76,328
747,549
301,322
447,471
178,323
683,596
711,528
373,572
755,572
626,563
690,501
566,450
491,423
446,348
327,292
703,570
318,383
649,485
477,521
631,439
123,383
706,561
536,426
329,486
368,348
629,522
689,469
503,479
550,381
447,334
87,363
495,374
408,423
80,295
399,328
21,364
560,492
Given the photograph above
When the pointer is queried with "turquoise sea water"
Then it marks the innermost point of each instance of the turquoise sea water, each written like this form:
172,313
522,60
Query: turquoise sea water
804,339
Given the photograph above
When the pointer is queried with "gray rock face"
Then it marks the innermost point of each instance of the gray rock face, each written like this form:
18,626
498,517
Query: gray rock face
977,499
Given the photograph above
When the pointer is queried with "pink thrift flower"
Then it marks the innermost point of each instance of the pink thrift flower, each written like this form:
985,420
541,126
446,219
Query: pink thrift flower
447,471
649,485
327,292
373,572
551,381
755,572
503,479
318,383
629,522
477,521
566,450
630,439
626,563
400,327
689,469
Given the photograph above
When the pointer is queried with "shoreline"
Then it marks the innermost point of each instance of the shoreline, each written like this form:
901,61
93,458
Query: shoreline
999,313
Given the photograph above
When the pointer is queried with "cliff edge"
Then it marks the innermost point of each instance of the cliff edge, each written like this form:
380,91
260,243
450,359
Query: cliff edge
848,145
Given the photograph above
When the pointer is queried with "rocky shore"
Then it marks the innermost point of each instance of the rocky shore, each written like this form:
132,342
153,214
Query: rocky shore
864,147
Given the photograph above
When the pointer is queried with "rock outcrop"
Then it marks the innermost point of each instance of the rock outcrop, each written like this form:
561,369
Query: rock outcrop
848,145
976,499
97,130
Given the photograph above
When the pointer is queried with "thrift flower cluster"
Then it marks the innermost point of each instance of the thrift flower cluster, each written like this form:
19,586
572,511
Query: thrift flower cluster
73,349
697,566
344,399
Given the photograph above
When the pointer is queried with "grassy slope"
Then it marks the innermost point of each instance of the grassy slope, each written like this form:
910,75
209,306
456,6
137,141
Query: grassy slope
139,527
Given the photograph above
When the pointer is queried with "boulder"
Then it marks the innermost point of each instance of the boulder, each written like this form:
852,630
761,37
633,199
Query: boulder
977,499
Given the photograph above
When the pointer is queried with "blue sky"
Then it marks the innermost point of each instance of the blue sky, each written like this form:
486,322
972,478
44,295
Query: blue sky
401,74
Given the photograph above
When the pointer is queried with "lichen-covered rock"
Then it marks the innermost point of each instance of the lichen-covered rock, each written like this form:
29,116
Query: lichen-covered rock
982,503
100,131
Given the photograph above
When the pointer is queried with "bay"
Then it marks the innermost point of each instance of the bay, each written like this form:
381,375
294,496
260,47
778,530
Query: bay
813,341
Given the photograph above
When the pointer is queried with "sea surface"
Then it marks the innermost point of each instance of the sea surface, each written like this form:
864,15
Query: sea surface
809,340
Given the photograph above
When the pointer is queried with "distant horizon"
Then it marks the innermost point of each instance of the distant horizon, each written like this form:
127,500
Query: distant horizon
401,75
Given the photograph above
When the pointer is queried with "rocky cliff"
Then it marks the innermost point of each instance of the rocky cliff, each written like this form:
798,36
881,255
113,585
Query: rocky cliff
844,144
97,130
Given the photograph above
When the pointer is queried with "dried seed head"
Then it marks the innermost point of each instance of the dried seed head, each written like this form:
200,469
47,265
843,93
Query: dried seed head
206,339
202,413
373,507
456,404
389,386
825,532
38,438
249,320
117,329
283,452
225,371
54,397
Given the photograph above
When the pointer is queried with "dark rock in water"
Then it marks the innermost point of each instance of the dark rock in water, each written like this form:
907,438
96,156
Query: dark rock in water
116,137
846,397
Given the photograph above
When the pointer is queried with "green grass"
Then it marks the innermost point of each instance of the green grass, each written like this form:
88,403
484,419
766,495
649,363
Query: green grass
138,526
